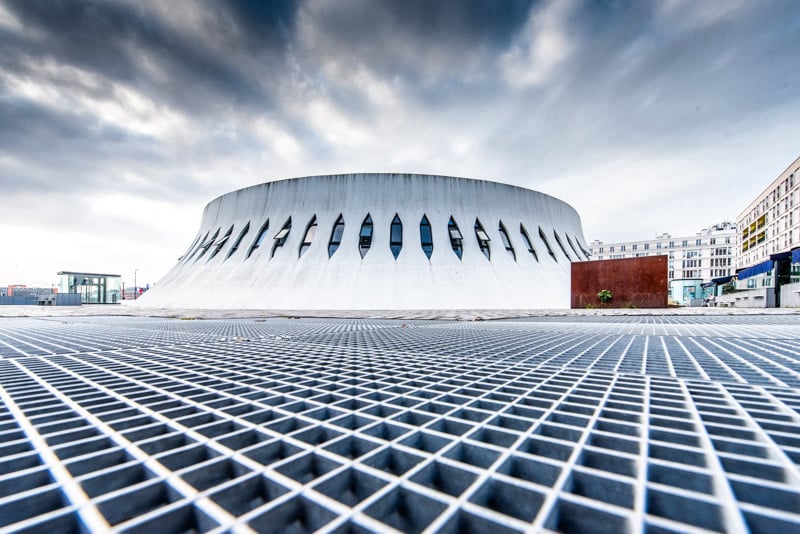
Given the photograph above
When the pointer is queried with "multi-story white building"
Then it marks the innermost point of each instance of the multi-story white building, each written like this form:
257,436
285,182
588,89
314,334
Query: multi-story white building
768,248
706,255
771,223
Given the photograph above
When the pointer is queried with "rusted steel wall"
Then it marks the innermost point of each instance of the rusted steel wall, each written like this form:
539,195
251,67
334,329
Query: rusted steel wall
634,282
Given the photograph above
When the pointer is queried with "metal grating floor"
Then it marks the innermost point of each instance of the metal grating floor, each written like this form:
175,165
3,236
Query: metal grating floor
650,423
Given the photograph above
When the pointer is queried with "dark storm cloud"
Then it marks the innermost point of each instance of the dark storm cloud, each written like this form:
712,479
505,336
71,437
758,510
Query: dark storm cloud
120,40
418,40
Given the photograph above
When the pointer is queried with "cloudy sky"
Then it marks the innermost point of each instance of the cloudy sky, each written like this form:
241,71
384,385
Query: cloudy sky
120,120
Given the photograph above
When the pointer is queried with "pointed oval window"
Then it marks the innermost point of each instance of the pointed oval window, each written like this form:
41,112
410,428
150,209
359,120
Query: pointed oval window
561,245
336,235
207,245
238,241
308,238
396,236
586,253
259,239
527,239
483,239
280,238
365,236
190,249
543,237
455,237
572,246
221,243
506,240
198,246
426,236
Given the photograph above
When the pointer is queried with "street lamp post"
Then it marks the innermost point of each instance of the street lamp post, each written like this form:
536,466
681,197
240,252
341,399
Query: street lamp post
135,285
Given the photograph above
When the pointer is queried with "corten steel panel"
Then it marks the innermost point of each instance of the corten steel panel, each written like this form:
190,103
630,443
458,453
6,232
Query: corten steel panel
639,282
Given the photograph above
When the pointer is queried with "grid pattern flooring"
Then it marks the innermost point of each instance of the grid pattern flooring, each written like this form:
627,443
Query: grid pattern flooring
595,424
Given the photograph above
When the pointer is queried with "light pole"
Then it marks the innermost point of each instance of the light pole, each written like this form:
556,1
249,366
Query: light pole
135,286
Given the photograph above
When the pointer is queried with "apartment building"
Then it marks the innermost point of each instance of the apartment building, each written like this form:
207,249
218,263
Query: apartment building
706,255
770,224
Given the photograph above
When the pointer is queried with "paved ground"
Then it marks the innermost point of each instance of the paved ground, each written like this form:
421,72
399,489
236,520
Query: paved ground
574,423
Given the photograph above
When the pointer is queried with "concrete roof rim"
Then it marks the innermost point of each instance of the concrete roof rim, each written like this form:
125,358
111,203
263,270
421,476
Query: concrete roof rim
386,174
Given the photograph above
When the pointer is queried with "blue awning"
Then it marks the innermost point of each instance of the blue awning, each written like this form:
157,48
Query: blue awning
720,281
764,267
796,255
780,256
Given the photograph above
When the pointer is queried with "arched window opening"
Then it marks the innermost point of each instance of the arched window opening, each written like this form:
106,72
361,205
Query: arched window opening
221,243
483,239
396,236
190,249
527,239
280,238
426,236
455,237
197,247
547,245
506,241
336,235
262,233
207,245
308,238
572,246
561,245
238,241
365,236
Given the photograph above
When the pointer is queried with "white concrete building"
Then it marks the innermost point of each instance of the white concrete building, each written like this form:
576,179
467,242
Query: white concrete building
706,255
378,241
771,223
768,252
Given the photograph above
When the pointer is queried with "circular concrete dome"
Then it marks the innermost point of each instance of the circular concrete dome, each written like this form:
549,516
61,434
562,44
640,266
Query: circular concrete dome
378,242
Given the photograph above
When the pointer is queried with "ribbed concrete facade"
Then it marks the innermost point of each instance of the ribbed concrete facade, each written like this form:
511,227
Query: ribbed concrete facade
532,239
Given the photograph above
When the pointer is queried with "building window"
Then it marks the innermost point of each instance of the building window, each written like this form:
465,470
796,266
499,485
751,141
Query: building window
685,243
529,245
221,242
561,245
601,250
586,253
396,236
483,239
506,241
280,238
621,248
336,235
634,247
672,244
207,245
455,237
549,248
238,241
572,246
308,238
425,236
259,239
658,246
611,248
698,242
190,249
365,236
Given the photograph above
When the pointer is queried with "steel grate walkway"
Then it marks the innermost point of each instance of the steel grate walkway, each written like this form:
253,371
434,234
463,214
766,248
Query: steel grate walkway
615,424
